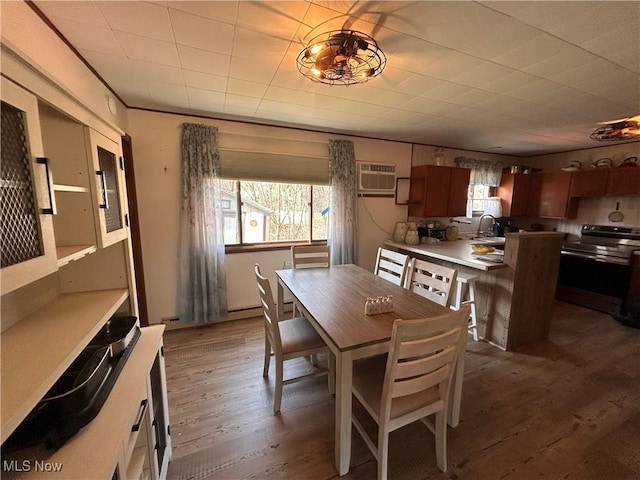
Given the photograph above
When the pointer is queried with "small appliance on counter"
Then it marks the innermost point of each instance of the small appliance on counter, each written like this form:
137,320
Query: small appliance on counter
433,229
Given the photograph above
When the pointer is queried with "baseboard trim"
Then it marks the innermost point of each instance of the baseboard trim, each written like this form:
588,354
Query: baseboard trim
174,323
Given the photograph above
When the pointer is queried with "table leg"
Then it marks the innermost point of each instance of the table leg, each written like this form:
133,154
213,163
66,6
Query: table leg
344,378
280,306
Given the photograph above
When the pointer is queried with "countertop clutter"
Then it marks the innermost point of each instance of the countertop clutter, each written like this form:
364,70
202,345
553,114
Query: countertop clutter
458,252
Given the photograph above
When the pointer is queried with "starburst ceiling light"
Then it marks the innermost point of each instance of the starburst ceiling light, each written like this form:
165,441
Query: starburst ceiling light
343,57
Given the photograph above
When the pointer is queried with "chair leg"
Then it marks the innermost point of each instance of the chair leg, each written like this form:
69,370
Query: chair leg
277,396
441,439
383,453
267,355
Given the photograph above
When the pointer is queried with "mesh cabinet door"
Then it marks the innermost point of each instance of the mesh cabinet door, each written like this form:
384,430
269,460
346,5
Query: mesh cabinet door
108,188
28,244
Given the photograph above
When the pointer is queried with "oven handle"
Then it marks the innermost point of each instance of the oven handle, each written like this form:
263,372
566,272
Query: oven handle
597,258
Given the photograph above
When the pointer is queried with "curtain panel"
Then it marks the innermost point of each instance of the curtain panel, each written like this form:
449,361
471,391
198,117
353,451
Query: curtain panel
483,172
203,285
342,217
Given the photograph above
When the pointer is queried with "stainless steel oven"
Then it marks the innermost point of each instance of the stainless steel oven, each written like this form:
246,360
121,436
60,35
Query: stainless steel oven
595,272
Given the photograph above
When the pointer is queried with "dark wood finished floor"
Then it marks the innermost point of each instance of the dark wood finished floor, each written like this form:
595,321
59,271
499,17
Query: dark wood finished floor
567,408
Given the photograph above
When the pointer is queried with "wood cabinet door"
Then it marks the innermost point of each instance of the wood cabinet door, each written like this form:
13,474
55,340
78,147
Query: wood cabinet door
437,191
514,194
458,192
590,183
623,182
549,196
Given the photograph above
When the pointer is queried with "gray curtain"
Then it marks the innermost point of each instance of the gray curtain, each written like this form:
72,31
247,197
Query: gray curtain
203,284
343,226
483,172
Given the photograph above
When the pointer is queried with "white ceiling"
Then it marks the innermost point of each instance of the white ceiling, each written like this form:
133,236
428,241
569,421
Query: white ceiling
520,78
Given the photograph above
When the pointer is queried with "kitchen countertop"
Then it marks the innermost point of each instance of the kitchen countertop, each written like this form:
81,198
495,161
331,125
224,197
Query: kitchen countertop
458,252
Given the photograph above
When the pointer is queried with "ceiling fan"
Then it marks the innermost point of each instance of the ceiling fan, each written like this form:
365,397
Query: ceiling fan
616,130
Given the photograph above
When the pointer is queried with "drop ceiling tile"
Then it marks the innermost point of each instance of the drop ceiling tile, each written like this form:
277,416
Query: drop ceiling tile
87,13
418,84
259,47
202,33
246,88
197,95
482,73
205,81
203,61
278,19
239,111
451,65
533,52
92,37
226,11
140,18
168,94
115,67
244,69
385,98
241,101
148,50
509,83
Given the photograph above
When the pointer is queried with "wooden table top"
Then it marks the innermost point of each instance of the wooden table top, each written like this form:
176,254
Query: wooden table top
335,298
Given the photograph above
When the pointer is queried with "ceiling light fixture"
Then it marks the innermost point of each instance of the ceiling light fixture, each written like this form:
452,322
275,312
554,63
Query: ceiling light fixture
341,57
626,129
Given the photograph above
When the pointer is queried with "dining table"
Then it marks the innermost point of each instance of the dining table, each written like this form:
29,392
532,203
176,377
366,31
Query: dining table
333,300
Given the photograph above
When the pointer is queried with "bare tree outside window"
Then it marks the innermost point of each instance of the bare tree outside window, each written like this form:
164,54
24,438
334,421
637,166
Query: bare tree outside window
274,212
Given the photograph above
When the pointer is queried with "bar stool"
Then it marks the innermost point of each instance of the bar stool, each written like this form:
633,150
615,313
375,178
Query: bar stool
470,280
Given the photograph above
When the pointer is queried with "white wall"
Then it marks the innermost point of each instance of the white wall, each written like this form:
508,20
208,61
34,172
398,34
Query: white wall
156,150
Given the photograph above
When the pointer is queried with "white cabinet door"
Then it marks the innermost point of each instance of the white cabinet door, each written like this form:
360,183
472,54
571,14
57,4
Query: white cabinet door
108,186
27,199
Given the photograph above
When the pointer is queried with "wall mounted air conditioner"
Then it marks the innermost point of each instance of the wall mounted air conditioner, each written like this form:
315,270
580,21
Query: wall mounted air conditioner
377,178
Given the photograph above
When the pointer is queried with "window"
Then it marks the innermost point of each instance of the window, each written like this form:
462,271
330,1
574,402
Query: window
268,212
480,201
477,194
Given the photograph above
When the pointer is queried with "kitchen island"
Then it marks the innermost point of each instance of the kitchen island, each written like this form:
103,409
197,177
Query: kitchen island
513,298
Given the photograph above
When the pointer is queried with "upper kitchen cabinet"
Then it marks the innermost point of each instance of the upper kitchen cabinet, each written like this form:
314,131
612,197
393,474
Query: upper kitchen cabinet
549,196
108,187
514,194
623,182
589,183
27,202
437,191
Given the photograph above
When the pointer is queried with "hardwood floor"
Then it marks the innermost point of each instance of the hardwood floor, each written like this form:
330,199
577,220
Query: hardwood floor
567,408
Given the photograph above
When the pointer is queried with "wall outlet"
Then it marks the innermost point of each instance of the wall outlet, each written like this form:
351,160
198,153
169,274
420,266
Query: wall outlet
287,264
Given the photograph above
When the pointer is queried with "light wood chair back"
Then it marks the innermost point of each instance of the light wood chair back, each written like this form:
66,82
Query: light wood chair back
270,313
431,280
310,256
286,339
392,266
416,381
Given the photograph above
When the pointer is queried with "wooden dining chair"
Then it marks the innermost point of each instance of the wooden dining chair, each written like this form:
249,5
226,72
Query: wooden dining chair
431,280
310,256
288,339
392,266
411,382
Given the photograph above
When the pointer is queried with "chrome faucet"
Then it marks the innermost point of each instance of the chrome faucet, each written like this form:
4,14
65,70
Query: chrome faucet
493,220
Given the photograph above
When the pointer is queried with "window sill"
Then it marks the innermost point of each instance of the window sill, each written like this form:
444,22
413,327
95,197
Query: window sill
267,247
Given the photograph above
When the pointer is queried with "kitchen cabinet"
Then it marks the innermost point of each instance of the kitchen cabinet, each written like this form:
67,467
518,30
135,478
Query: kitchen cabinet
623,182
49,315
514,194
549,196
437,191
105,156
589,183
28,243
